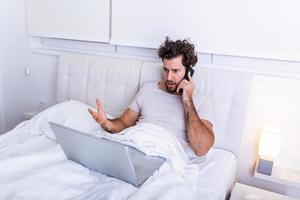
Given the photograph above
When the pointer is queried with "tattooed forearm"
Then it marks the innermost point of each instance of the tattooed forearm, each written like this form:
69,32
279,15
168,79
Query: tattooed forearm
199,135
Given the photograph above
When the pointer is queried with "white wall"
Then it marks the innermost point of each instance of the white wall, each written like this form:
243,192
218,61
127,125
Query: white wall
2,114
274,101
2,126
13,50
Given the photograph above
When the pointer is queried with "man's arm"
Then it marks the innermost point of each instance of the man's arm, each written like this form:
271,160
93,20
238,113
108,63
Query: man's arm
200,134
127,119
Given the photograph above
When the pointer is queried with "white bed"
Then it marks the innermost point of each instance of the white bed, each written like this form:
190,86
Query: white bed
32,165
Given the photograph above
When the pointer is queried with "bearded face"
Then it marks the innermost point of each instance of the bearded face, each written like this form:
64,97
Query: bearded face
173,72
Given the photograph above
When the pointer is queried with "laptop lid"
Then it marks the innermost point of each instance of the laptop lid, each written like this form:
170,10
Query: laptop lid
98,154
144,165
106,156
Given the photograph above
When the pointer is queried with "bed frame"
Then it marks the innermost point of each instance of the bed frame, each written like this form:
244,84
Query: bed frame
116,81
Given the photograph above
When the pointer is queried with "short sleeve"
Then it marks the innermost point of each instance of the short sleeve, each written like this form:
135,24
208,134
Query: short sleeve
136,104
205,109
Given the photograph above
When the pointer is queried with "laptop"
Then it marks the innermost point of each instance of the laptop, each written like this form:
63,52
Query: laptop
106,156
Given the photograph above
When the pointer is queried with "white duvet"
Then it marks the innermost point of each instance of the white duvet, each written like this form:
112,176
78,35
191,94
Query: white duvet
33,166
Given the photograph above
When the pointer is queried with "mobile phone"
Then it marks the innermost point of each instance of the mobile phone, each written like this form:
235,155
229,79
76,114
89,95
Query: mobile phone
187,71
186,75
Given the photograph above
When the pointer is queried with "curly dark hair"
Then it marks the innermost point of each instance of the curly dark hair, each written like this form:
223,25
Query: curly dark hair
170,49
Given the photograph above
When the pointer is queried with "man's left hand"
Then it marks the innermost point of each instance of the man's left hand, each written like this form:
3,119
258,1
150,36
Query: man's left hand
188,88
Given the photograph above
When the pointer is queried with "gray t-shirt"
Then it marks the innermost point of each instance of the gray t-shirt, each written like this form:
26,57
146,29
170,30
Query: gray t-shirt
166,110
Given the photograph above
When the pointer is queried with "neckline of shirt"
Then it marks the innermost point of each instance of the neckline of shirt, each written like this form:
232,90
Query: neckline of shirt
169,94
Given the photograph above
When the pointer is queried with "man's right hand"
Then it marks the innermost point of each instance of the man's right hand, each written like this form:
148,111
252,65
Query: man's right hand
100,116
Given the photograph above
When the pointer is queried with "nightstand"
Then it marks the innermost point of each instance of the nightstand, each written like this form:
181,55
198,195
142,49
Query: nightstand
246,192
287,177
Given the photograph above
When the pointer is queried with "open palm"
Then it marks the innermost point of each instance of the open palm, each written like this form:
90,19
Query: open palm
100,115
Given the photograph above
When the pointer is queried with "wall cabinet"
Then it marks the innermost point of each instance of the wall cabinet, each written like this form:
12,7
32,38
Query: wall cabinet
251,28
86,20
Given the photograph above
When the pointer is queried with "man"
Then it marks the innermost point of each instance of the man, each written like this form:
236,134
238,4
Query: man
169,103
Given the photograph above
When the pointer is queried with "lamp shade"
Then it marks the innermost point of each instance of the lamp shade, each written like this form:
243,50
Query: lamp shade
269,144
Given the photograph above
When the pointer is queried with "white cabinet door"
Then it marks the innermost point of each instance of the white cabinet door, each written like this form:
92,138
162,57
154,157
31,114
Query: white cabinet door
69,19
254,28
146,23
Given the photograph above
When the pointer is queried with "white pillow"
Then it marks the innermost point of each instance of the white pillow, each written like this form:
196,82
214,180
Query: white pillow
72,114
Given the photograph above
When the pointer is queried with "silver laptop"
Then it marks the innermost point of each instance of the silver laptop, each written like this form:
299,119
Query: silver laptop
105,156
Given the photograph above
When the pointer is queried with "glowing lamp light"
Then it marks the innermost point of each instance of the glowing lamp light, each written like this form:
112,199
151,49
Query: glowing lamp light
269,147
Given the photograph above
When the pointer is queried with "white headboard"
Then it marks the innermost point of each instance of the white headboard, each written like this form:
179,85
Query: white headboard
116,81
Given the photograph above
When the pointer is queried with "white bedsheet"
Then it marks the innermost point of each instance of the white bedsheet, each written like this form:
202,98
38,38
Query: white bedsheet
33,166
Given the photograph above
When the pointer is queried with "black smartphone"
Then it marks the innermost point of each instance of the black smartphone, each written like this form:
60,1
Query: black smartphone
186,76
187,71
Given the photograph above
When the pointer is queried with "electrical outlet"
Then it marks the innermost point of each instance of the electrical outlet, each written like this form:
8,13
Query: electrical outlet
27,71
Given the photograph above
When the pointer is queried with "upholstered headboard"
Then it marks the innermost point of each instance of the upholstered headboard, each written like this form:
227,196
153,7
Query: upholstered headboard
116,81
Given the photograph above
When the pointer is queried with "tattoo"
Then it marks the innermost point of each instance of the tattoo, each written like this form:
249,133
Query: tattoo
191,117
198,135
187,117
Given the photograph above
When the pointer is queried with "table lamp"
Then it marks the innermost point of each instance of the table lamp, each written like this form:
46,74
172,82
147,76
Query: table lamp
269,146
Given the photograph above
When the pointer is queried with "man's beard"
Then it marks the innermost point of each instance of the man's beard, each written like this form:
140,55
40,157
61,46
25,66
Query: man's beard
173,87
